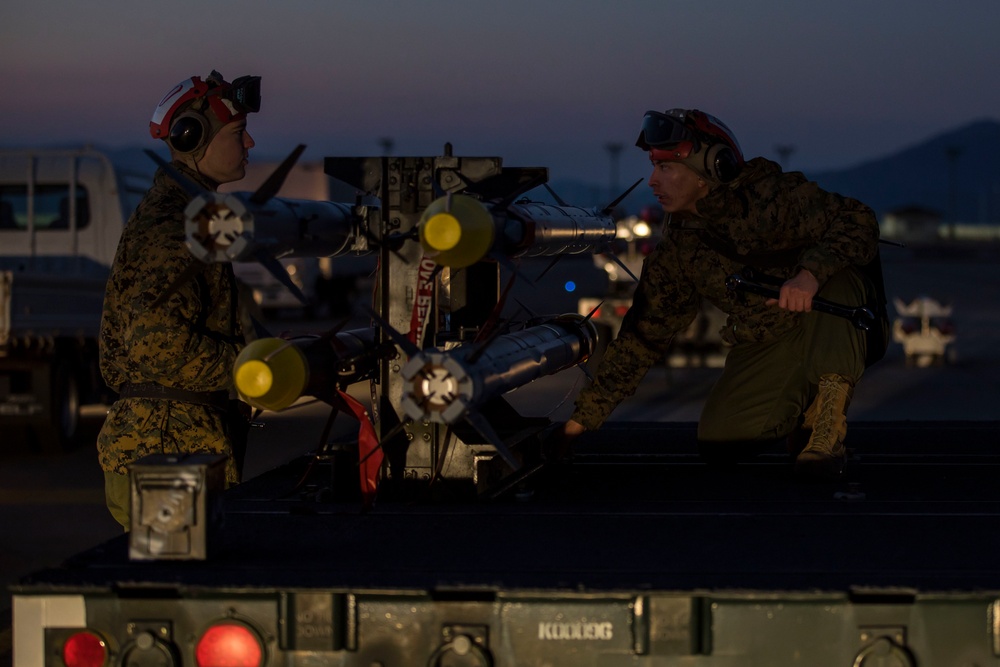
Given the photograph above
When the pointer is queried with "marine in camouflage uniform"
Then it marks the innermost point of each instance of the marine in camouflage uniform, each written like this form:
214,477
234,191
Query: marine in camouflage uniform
171,361
779,224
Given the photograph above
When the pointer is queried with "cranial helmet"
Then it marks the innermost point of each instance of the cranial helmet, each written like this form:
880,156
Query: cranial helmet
694,138
193,111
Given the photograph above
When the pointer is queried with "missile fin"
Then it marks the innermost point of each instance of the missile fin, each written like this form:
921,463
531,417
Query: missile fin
399,339
259,329
610,207
555,260
593,311
506,186
531,314
621,264
192,188
559,200
505,262
274,267
478,422
393,432
270,187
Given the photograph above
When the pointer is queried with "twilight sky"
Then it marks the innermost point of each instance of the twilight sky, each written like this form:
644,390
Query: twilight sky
538,83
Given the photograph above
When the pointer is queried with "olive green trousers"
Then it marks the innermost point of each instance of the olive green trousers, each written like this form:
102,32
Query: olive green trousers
766,387
118,495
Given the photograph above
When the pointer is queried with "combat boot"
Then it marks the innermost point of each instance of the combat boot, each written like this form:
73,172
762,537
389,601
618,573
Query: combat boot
824,454
799,437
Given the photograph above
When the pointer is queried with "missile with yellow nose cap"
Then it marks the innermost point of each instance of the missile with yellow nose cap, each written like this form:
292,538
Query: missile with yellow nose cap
458,230
272,373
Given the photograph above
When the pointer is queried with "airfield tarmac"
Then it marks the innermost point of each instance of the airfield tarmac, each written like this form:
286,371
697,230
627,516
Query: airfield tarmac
52,506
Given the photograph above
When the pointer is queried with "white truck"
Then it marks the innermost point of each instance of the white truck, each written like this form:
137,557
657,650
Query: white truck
61,215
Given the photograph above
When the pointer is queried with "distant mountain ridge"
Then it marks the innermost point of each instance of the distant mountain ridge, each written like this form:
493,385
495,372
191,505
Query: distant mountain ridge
965,188
956,173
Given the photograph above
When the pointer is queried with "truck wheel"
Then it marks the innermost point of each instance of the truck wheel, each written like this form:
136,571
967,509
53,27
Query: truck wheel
60,434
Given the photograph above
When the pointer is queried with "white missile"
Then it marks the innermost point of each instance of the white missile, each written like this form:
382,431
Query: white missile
444,386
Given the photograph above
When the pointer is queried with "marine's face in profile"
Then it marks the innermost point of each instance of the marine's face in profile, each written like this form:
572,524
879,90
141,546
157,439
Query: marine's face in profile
225,159
677,187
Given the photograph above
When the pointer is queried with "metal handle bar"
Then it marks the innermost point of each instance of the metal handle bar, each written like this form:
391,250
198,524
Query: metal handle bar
860,317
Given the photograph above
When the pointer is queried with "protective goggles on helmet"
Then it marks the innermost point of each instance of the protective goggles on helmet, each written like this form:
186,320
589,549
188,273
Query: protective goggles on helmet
662,129
677,133
227,101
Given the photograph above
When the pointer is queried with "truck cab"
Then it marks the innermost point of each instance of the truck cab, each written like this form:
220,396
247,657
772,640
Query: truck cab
62,212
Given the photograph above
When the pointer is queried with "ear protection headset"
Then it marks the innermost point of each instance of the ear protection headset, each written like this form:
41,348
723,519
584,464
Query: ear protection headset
189,132
721,163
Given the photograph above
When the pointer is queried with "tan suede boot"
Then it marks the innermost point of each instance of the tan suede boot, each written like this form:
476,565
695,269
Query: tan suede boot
824,454
799,437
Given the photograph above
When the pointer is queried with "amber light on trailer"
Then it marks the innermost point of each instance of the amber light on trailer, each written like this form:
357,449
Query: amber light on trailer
85,649
229,644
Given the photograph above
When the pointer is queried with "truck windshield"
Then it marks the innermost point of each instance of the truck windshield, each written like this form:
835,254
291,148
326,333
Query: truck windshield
51,207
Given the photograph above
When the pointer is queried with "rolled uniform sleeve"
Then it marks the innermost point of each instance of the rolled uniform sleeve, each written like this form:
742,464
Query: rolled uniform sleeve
664,303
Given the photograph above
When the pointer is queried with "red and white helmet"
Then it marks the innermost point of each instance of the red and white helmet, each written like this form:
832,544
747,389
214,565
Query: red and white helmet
193,111
694,138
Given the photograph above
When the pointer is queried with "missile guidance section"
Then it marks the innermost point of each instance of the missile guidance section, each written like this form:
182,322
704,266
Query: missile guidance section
443,385
222,227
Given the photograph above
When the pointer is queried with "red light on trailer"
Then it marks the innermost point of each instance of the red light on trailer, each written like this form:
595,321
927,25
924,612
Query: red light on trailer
229,645
85,649
621,310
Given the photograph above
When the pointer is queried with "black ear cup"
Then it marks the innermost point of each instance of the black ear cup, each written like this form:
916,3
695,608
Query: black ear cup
188,132
721,163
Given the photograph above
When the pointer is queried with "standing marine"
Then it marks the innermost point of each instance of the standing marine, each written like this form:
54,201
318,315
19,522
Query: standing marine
170,359
791,371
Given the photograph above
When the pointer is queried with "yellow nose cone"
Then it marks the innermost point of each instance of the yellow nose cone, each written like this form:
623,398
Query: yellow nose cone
456,231
442,231
254,378
271,373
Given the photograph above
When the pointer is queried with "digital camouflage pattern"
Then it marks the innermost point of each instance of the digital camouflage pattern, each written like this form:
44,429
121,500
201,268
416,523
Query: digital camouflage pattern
188,342
762,211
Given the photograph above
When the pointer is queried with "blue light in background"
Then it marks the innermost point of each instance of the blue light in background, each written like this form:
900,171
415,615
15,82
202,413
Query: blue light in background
570,286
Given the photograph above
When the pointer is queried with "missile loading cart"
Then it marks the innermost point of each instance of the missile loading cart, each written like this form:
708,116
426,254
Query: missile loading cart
442,537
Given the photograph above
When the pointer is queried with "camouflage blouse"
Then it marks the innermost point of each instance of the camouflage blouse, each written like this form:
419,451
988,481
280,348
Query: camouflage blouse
764,212
188,342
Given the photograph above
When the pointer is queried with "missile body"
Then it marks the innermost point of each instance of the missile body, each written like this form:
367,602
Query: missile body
225,227
444,385
532,229
457,230
272,373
